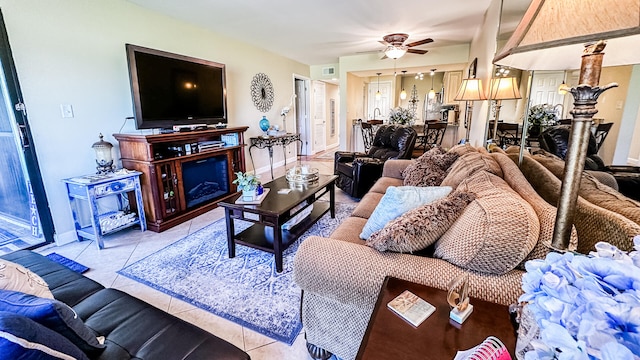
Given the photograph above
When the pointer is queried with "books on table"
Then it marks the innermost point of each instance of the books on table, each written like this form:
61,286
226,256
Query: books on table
411,308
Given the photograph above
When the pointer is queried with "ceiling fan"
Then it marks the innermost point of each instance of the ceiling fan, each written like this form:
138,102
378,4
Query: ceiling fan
396,47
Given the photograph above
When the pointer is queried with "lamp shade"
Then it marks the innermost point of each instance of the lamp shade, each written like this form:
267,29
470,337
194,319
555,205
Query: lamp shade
395,52
504,88
470,90
552,34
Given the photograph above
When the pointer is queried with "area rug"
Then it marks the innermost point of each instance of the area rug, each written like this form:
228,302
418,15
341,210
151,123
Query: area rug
79,268
246,289
328,155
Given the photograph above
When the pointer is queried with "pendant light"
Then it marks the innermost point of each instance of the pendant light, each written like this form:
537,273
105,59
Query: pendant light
432,93
403,94
378,93
563,88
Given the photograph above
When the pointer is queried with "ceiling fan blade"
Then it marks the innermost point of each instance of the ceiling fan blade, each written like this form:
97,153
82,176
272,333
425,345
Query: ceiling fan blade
421,42
383,43
417,51
384,57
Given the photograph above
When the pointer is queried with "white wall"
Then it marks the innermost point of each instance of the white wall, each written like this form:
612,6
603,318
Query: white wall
72,52
483,47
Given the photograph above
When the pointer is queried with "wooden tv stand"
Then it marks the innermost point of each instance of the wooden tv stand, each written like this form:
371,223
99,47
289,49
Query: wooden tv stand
161,159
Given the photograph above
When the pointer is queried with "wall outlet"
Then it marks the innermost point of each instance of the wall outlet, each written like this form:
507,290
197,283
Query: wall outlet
66,110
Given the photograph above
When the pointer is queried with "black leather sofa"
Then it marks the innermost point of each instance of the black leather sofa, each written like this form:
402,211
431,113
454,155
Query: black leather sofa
556,141
357,171
133,329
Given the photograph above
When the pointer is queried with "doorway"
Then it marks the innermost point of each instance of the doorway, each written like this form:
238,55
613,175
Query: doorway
301,89
25,220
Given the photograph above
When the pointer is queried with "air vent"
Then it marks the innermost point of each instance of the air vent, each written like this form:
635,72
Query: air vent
328,71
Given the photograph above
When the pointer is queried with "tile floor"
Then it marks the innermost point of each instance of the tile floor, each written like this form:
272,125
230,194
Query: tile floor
128,246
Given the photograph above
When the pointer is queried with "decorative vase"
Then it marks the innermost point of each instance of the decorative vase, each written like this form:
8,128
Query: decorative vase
264,124
249,195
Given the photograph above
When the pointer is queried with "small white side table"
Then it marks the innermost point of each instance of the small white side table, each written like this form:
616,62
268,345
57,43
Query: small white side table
85,191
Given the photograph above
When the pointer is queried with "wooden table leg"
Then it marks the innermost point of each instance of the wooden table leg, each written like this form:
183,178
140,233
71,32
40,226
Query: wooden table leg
332,199
277,245
230,233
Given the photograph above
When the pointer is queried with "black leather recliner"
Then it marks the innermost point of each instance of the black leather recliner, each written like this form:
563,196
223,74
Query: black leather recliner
556,141
357,171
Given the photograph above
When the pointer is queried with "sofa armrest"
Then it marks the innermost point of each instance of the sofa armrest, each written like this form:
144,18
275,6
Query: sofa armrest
394,168
347,156
353,274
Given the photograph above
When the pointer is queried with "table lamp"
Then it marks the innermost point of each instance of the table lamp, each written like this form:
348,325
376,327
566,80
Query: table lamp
502,88
470,90
104,158
550,36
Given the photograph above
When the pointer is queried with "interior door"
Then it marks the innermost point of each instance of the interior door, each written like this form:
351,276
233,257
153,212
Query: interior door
544,88
25,220
378,109
319,117
302,114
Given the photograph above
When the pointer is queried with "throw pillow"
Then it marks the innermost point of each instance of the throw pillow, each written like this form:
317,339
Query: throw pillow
18,278
23,338
429,169
467,165
53,314
494,233
397,201
422,226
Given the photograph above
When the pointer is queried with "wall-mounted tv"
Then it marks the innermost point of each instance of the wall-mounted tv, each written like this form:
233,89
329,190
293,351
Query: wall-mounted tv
170,89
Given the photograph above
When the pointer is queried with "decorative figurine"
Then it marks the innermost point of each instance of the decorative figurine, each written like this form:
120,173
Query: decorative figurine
458,298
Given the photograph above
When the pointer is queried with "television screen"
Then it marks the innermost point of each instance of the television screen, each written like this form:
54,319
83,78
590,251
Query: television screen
171,89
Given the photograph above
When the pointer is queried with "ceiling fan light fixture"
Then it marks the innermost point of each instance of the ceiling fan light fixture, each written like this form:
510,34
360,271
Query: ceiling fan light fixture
395,51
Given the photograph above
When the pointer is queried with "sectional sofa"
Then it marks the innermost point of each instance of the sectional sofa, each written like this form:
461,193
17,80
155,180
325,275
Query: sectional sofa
505,223
130,328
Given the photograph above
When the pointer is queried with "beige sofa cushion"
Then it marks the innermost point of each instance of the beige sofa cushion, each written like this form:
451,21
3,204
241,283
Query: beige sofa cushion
429,169
349,230
367,204
595,191
495,232
384,182
418,228
462,149
467,165
545,211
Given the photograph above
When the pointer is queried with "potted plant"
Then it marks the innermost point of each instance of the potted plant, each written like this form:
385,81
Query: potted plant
401,116
540,116
249,184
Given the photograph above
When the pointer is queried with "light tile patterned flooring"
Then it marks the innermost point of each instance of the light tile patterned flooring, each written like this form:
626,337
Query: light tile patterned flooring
128,246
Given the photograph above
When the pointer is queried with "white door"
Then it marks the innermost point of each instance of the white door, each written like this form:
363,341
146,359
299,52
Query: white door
380,106
319,117
544,88
302,114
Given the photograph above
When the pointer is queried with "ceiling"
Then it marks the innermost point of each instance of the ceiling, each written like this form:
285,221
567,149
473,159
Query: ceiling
320,32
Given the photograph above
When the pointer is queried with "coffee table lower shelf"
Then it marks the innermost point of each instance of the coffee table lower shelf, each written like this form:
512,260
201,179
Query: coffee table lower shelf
255,236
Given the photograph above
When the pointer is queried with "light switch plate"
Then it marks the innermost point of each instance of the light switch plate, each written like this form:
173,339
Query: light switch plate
66,110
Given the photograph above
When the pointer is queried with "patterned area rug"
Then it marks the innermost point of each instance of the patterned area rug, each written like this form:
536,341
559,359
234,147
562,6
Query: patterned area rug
246,289
79,268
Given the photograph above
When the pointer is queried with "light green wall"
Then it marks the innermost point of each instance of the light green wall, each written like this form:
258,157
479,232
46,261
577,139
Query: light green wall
73,52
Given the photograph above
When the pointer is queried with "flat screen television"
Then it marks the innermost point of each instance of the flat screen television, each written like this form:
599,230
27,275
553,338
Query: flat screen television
170,89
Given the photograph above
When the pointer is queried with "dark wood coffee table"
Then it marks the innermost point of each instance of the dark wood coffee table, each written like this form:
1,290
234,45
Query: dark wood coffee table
388,336
274,211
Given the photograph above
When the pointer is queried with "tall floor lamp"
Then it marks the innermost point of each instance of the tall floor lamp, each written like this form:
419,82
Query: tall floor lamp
502,88
470,90
550,36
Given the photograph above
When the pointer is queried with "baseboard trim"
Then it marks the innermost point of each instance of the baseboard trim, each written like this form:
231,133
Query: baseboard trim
65,237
